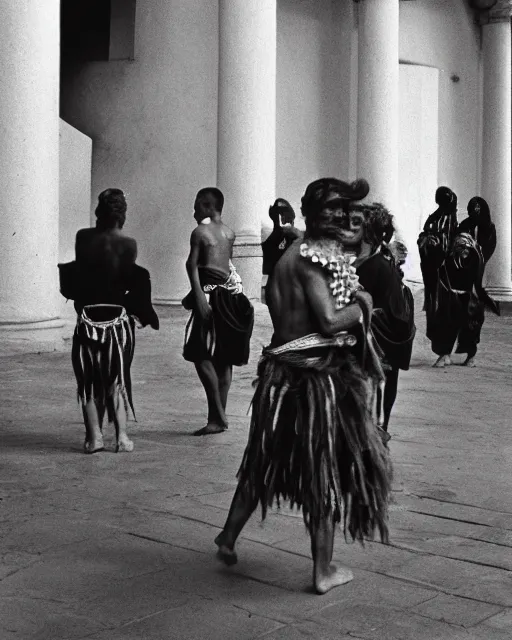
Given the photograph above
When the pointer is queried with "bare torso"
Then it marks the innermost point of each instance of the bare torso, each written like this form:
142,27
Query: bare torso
216,245
287,301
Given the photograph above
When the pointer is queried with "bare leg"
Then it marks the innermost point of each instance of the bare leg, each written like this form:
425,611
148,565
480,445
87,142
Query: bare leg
93,436
217,421
390,392
326,575
239,513
123,443
225,376
442,361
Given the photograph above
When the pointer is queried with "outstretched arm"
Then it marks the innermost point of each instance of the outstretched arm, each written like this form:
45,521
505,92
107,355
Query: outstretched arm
322,303
201,304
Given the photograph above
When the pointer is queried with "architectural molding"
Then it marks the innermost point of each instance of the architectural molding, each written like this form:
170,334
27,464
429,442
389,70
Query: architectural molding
501,11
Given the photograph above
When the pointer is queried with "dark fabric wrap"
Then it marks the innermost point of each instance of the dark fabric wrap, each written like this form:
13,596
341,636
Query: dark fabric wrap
226,336
392,321
133,291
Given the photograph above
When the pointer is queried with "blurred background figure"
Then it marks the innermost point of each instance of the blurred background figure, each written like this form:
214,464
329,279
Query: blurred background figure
283,234
479,225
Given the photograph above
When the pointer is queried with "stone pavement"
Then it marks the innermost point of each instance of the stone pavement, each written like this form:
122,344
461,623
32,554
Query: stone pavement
117,547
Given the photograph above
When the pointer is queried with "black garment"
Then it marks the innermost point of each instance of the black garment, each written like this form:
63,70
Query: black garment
485,237
443,225
275,245
393,309
133,292
225,338
392,322
459,313
434,244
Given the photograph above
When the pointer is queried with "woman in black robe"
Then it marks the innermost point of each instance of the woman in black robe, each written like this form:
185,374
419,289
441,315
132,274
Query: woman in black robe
479,225
434,244
379,273
462,299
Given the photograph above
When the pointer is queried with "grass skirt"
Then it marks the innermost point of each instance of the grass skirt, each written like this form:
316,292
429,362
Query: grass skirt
313,441
102,354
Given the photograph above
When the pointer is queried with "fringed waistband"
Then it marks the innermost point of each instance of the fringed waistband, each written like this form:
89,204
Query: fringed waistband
98,330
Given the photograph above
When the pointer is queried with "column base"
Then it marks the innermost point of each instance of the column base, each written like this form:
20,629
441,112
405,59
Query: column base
503,295
247,258
35,337
39,325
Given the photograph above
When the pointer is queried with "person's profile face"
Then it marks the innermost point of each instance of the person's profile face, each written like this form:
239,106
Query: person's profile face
474,210
203,206
352,229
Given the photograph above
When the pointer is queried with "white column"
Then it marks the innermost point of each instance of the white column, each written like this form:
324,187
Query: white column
496,154
378,91
29,163
246,169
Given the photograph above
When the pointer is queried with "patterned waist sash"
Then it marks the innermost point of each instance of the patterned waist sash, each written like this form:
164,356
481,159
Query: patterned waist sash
314,340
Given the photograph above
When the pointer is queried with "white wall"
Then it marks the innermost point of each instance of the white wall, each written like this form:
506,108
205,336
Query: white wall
75,156
442,34
154,120
417,156
154,126
314,39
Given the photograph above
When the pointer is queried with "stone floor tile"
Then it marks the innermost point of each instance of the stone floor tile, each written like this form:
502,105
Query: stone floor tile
357,619
447,574
305,630
459,611
502,620
407,626
197,620
28,618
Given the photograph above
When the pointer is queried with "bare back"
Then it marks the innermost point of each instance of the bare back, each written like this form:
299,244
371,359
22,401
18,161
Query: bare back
104,259
300,300
288,302
215,245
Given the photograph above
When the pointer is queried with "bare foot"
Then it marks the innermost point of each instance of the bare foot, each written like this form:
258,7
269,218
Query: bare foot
124,445
211,427
335,577
442,361
93,446
225,553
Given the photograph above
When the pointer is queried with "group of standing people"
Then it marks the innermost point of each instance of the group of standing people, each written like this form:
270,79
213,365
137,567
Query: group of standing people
343,327
453,259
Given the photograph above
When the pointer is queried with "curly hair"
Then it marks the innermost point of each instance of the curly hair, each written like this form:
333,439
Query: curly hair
378,223
111,209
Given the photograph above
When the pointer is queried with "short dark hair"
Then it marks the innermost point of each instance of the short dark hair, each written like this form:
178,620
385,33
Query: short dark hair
111,209
281,204
217,194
